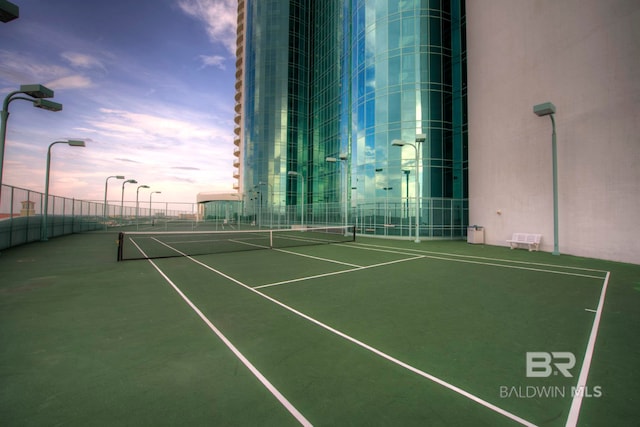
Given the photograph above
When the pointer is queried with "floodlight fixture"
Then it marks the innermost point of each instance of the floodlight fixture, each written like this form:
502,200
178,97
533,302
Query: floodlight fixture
343,158
548,109
420,138
105,209
137,201
129,181
35,94
72,143
8,11
36,91
544,109
45,104
299,175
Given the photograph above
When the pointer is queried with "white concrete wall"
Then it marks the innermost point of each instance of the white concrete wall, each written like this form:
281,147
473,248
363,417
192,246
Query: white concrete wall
584,56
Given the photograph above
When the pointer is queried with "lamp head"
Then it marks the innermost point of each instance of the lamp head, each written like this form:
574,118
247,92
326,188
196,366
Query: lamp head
36,91
131,181
292,173
76,143
331,159
421,137
143,186
119,176
544,109
47,105
8,11
398,143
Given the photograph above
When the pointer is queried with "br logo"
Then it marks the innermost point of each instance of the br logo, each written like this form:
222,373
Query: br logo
541,363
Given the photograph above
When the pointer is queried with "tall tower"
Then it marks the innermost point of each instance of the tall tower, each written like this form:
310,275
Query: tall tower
340,80
406,78
239,98
276,105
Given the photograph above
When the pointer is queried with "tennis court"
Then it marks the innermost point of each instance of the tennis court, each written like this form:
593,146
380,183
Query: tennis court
370,332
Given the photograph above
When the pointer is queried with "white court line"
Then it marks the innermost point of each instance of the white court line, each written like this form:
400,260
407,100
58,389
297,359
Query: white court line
283,400
318,258
300,279
493,264
487,258
574,412
368,347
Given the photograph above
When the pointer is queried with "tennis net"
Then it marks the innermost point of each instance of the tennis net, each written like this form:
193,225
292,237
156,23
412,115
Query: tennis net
167,244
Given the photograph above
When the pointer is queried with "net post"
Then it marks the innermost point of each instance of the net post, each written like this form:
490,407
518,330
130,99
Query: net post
353,233
120,244
270,239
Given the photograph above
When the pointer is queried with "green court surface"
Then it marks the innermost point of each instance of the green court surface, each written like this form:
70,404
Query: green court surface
374,332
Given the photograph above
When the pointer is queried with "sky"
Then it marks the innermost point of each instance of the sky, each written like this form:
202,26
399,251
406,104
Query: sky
148,84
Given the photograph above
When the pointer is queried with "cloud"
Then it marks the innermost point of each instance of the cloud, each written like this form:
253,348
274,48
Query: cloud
219,17
80,60
212,61
70,82
18,68
186,168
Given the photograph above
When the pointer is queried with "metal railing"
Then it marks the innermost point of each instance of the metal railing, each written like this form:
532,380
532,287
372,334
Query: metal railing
21,215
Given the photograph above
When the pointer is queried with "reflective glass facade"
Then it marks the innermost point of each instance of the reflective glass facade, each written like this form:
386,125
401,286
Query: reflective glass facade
276,104
359,74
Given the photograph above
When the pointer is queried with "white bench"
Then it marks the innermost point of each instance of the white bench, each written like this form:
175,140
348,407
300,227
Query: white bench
529,239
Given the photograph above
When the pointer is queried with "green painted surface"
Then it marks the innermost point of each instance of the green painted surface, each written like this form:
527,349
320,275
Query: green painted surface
89,341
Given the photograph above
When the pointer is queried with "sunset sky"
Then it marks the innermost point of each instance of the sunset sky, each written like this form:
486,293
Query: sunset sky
149,84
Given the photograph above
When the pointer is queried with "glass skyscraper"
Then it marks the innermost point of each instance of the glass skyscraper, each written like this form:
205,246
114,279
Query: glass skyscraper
326,86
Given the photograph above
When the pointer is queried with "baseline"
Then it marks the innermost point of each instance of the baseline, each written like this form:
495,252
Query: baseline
574,411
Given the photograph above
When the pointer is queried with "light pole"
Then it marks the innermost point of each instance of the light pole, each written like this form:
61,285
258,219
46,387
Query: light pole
406,173
150,195
343,160
129,181
137,205
36,94
299,175
105,209
73,143
420,138
548,109
271,201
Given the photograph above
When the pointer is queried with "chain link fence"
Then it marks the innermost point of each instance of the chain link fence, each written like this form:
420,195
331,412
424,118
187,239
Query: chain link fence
22,220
